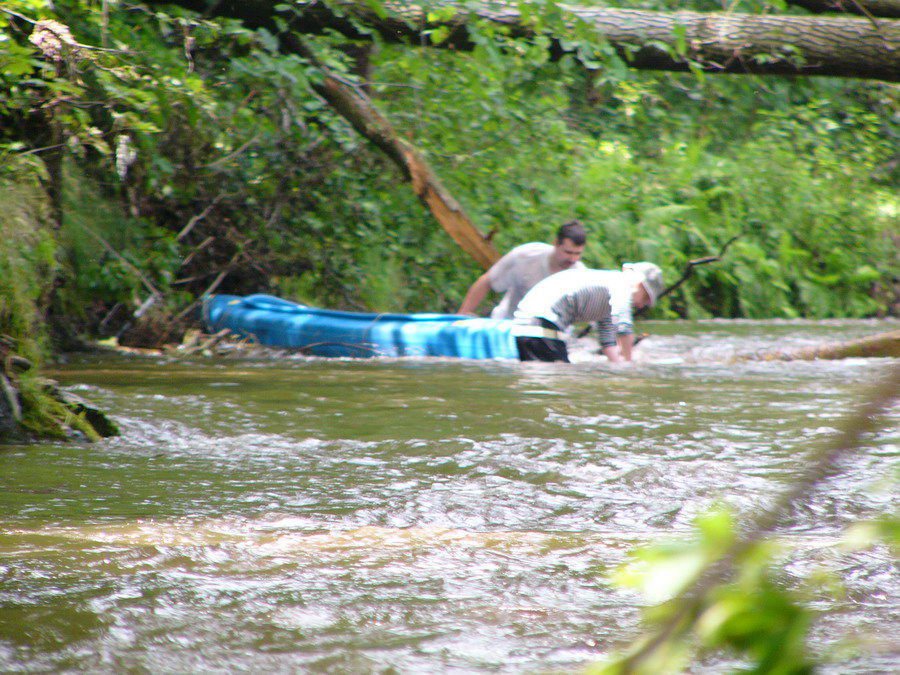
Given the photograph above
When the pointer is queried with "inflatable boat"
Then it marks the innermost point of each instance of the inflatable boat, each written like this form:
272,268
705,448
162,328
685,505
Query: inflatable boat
274,322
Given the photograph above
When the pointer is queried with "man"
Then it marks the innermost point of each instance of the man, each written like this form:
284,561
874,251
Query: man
524,266
606,297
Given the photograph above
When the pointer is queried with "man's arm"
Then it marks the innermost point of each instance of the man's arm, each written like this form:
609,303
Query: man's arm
621,318
616,341
609,342
475,295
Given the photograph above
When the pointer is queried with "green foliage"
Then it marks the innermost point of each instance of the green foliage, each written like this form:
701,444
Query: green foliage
107,251
28,271
166,113
799,184
27,255
753,615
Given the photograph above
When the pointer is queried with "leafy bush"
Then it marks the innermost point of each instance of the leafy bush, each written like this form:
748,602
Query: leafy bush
27,256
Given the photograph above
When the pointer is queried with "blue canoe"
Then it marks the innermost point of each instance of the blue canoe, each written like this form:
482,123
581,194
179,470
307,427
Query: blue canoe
322,332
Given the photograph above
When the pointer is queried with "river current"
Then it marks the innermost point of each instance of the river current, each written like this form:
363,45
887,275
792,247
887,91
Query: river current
429,515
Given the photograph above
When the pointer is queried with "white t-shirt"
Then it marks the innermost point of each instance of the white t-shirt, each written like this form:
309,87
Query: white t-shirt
516,272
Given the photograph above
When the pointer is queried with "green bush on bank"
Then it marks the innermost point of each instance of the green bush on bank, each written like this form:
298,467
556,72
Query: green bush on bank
669,169
28,263
27,271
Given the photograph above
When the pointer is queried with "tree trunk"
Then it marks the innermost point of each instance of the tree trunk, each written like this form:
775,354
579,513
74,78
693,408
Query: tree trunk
880,345
744,43
356,108
678,41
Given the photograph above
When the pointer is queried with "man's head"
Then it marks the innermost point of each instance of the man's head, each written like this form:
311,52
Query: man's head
648,282
569,247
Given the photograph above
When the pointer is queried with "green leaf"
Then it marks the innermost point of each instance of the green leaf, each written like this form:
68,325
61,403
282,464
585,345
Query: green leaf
438,35
377,7
663,215
679,33
865,274
660,574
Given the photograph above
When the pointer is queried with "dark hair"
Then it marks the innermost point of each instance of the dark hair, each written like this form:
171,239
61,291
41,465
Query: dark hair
572,230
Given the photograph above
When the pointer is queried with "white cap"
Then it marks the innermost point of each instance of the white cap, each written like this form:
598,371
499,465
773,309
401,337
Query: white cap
649,275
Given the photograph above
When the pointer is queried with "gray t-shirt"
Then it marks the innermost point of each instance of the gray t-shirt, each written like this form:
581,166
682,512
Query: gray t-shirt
583,295
516,273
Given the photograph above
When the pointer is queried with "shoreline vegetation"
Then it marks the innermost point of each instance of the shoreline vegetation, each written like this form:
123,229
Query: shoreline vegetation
151,157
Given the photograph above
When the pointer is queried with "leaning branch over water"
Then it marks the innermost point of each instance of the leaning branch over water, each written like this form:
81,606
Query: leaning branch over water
354,106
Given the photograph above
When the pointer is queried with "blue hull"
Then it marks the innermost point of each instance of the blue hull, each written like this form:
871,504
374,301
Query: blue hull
322,332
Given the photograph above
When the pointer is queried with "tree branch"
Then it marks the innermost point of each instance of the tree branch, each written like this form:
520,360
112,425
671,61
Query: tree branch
353,104
696,262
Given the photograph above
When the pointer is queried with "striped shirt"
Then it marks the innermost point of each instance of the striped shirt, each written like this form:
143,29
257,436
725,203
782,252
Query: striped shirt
582,295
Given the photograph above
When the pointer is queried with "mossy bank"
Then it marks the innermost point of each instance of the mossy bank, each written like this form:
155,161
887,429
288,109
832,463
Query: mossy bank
31,406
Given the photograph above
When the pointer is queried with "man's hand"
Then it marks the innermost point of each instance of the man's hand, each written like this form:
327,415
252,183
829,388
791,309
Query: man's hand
612,353
626,343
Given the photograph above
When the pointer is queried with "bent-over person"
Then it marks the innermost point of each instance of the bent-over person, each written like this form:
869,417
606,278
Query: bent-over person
606,298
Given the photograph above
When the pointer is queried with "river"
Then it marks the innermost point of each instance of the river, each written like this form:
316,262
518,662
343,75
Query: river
427,515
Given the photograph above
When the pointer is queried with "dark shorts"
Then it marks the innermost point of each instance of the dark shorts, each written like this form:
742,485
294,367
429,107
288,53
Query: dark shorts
542,348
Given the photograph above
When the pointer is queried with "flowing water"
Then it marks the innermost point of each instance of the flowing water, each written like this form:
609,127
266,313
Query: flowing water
413,516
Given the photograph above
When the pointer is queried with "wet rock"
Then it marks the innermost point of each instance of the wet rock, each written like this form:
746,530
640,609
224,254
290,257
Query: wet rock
101,424
104,426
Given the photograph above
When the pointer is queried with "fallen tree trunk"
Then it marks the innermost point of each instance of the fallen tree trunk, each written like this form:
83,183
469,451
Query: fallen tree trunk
838,46
880,345
357,108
